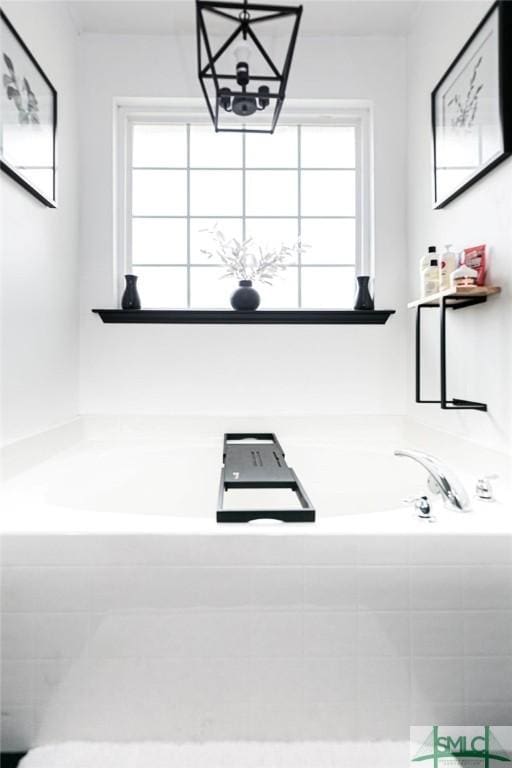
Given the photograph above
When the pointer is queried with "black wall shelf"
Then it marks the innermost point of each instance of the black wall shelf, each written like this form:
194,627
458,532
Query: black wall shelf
259,317
455,298
11,759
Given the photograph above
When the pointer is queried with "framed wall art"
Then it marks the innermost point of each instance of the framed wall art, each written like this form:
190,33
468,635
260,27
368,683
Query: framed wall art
472,108
28,120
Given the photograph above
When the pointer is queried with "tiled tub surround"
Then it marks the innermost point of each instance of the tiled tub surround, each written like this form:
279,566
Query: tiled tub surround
268,636
128,614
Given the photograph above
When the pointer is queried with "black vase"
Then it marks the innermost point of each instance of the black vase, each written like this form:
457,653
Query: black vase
364,299
131,298
245,298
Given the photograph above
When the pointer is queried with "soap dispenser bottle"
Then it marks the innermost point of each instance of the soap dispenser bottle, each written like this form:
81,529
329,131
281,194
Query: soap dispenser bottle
447,266
425,262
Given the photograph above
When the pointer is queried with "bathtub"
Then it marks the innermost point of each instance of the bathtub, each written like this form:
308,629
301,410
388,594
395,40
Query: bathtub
162,486
130,615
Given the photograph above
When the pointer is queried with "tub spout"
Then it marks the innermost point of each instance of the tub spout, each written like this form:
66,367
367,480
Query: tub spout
441,480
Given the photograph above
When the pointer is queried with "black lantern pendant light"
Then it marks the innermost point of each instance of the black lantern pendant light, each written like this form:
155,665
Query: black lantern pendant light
244,86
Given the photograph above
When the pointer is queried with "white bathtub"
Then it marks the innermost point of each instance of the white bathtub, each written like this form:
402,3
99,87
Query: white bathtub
173,628
141,485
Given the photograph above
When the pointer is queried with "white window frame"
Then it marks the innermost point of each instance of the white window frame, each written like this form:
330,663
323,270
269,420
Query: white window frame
320,112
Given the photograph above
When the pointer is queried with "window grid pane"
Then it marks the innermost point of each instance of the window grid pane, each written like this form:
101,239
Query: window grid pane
299,205
316,274
189,287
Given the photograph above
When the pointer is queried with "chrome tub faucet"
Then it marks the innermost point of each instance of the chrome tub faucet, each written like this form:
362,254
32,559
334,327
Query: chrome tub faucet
441,480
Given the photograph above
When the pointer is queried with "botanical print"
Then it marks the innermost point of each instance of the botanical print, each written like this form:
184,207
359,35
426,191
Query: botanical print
466,106
23,96
471,92
27,107
468,125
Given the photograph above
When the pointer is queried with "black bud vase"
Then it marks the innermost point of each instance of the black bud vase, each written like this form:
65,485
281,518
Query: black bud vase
364,299
245,298
131,298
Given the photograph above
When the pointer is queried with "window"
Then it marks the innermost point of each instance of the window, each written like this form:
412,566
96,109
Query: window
305,181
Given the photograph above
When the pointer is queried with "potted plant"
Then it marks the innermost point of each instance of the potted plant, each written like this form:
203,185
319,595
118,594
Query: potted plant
248,262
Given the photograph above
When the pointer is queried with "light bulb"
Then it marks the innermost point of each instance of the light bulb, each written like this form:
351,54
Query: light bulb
242,54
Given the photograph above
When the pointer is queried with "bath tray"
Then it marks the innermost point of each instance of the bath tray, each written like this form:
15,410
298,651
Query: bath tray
255,460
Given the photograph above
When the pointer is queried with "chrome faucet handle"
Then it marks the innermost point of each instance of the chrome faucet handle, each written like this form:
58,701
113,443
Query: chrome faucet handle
484,490
421,507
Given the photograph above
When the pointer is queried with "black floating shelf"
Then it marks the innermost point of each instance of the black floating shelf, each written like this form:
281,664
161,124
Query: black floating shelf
259,317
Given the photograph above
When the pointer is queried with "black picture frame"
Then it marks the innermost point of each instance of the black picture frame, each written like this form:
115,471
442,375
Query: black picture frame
503,10
9,168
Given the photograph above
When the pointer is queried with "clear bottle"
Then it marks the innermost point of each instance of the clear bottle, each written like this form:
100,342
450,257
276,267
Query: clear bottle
430,278
425,262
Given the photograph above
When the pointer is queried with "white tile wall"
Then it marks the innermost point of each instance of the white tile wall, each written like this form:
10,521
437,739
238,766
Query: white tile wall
331,679
439,679
437,633
383,587
280,588
488,633
489,679
61,635
436,588
262,637
381,719
272,634
498,713
330,633
386,677
432,711
17,681
330,588
46,589
460,550
383,633
18,636
487,586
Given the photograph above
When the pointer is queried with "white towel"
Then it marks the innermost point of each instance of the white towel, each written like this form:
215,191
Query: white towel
220,755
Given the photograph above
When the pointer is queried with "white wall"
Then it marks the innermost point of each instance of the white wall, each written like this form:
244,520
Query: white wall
479,345
240,369
39,314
